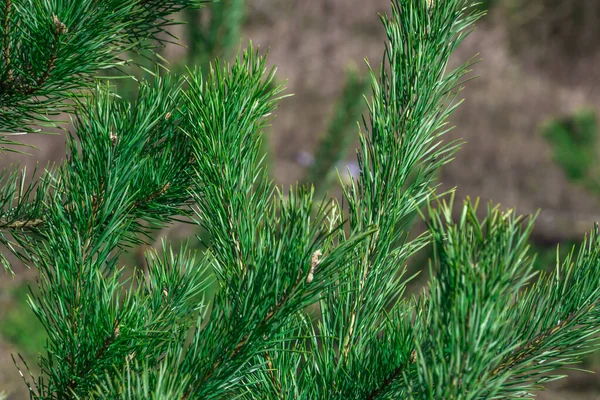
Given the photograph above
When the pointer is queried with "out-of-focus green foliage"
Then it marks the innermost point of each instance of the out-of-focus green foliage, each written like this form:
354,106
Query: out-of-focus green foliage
214,32
567,27
570,27
20,326
574,142
335,143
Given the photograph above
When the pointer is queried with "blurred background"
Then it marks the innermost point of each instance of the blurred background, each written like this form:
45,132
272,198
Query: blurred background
529,122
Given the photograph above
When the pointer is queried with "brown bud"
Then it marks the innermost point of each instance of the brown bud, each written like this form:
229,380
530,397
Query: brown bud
59,26
314,262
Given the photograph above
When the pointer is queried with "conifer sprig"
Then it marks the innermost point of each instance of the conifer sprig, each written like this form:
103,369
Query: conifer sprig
487,329
22,206
50,51
265,246
365,341
127,163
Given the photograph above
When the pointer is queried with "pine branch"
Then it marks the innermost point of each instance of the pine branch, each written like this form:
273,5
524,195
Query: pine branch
22,210
237,206
25,89
563,323
101,191
484,330
51,52
400,153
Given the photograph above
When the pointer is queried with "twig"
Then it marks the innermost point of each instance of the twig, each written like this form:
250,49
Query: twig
5,42
386,382
348,337
23,224
272,376
236,242
87,367
391,377
238,347
59,29
529,348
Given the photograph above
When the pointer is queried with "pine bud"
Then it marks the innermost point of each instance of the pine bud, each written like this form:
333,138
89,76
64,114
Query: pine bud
59,26
314,262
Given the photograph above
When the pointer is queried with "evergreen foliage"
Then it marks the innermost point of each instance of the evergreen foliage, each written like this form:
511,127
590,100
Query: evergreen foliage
311,297
52,49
